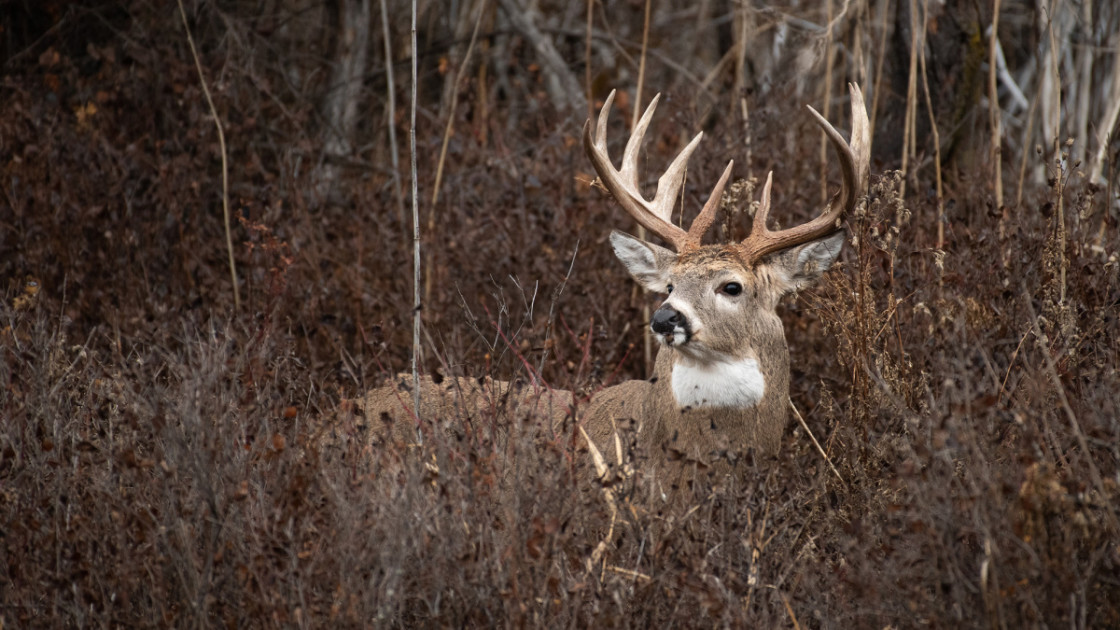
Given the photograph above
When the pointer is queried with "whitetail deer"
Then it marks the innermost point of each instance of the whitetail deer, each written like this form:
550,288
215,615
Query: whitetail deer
721,381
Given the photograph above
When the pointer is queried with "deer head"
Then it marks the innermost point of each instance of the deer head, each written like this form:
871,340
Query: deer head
719,317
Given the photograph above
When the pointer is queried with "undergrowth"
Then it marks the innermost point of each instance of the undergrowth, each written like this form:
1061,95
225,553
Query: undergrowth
163,462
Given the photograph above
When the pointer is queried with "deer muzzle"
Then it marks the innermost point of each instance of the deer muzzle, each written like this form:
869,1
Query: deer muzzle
670,325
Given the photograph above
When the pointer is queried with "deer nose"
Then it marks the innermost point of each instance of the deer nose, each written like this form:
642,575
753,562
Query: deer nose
666,319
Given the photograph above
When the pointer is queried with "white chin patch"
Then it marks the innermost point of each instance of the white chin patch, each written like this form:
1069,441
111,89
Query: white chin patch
720,384
677,339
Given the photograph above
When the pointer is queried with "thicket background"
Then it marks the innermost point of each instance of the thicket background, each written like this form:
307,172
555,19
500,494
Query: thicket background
161,460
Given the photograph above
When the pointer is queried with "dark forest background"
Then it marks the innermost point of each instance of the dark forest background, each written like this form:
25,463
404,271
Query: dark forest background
162,460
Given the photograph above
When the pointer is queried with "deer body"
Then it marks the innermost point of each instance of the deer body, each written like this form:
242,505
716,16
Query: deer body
700,425
720,385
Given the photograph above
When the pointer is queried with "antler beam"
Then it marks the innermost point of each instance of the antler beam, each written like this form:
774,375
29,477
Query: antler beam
855,163
655,215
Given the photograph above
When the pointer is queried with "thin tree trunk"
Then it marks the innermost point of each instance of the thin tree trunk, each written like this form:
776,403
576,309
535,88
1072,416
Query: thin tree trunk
340,106
563,86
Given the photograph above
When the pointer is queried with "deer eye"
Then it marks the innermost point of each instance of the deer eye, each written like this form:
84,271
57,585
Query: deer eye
731,288
669,289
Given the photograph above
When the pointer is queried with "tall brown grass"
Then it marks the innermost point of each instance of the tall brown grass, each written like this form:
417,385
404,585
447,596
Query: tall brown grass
162,457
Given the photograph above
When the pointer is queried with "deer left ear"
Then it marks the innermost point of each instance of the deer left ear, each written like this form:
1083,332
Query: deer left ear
648,263
803,265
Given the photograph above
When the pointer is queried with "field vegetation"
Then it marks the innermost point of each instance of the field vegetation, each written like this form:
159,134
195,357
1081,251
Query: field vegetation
202,262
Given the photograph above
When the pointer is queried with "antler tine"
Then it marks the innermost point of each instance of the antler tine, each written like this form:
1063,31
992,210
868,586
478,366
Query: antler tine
634,144
763,211
854,165
704,220
655,215
670,182
669,185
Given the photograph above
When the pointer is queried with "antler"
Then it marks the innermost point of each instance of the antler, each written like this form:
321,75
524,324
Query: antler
655,215
855,160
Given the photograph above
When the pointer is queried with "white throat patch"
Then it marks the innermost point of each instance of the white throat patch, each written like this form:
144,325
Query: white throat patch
723,384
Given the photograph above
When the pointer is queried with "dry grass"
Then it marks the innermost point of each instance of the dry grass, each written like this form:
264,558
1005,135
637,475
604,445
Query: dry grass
161,455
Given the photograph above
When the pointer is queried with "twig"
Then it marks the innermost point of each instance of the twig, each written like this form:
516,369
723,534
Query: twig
596,456
994,113
877,86
535,379
587,61
415,243
225,161
936,140
1071,417
1108,125
552,307
835,19
829,66
630,573
451,109
1008,81
641,74
647,341
446,140
1082,100
817,444
737,52
908,125
49,34
1059,162
1101,233
391,97
789,609
1011,364
1028,134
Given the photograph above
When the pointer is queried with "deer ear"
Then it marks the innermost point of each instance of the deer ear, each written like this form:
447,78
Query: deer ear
803,265
647,263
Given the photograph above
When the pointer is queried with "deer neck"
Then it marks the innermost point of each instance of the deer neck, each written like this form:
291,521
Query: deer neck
730,383
721,406
756,378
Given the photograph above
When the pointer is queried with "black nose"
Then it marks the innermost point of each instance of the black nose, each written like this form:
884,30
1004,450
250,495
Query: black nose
665,320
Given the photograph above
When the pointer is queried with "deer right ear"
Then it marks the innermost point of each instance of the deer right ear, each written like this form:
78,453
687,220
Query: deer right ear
802,265
648,263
